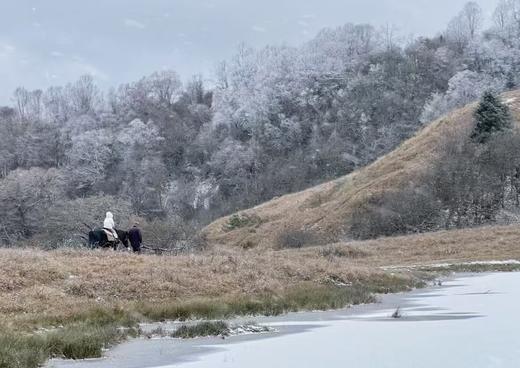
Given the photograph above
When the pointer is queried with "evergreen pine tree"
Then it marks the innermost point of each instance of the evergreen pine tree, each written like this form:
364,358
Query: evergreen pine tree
491,116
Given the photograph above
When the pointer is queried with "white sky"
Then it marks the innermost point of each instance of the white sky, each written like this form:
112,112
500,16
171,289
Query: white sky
52,42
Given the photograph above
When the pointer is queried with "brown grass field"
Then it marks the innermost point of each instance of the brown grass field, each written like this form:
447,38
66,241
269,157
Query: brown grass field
38,286
72,303
327,209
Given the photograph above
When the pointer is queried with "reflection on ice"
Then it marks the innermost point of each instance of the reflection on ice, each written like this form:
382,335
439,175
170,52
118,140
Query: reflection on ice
424,318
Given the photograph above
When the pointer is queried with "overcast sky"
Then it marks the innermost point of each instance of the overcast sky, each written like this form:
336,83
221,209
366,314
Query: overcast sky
52,42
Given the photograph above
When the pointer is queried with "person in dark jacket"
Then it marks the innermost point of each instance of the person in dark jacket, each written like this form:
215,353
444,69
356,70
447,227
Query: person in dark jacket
135,237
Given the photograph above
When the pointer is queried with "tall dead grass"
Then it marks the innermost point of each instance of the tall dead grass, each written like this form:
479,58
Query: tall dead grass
81,298
64,283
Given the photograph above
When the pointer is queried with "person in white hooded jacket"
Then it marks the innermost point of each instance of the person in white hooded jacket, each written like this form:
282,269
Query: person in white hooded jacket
109,224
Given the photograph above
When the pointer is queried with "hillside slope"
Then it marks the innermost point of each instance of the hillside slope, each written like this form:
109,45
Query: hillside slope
327,208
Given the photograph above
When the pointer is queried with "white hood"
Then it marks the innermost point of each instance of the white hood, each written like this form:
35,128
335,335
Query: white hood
109,221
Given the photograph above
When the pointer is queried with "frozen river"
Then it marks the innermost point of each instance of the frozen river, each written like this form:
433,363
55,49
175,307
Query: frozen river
468,322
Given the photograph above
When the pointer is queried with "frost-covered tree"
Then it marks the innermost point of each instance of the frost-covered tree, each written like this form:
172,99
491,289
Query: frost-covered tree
150,97
89,158
472,16
29,104
145,175
57,106
275,120
506,19
25,196
464,87
464,27
84,96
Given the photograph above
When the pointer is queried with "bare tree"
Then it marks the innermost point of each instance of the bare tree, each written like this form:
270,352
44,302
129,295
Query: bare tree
506,19
221,73
57,106
472,15
164,87
84,95
21,98
501,15
465,26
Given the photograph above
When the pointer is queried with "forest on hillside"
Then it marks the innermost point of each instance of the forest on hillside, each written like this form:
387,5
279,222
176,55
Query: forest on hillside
277,120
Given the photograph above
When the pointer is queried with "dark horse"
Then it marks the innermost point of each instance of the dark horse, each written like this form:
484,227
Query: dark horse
97,238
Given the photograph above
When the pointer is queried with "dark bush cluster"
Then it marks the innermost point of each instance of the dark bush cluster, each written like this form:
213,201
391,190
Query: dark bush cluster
293,239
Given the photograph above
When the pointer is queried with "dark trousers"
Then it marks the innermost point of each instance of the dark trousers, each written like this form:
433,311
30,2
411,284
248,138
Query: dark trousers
136,247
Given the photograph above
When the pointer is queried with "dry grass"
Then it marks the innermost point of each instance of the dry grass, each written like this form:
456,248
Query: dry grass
63,284
38,286
71,303
478,244
92,293
327,208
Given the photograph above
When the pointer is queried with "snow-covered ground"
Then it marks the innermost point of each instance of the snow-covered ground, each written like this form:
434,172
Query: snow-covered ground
468,322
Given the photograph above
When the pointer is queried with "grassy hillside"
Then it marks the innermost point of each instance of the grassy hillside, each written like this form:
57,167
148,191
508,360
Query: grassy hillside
326,210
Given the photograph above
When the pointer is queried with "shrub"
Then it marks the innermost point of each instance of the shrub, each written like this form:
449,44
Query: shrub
77,341
202,329
238,221
474,182
17,351
343,252
297,239
409,210
81,341
160,233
